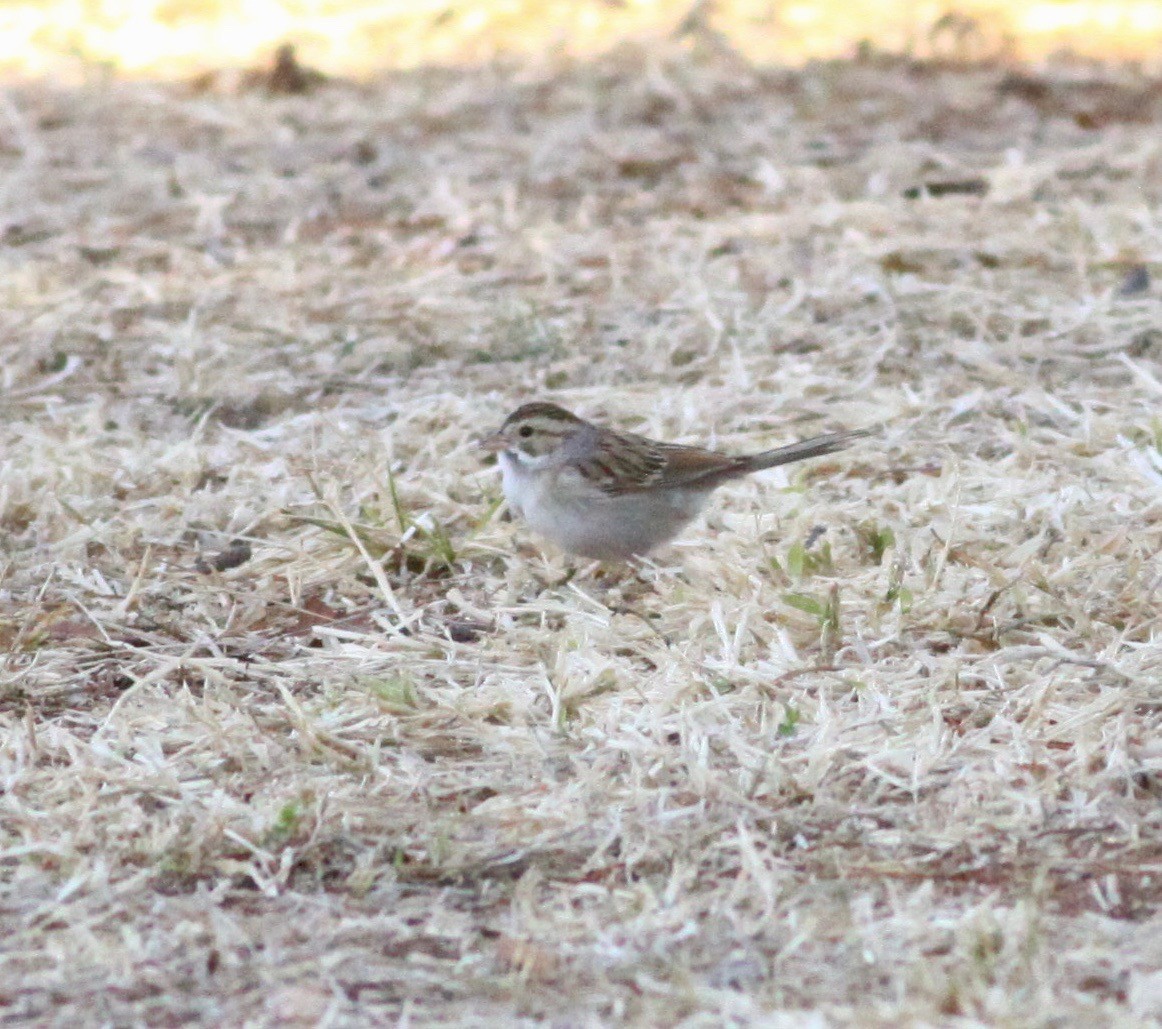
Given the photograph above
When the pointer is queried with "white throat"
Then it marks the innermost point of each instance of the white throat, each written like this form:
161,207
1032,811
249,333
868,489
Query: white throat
518,477
528,462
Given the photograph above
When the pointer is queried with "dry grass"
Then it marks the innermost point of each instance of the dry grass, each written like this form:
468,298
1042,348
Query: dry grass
877,741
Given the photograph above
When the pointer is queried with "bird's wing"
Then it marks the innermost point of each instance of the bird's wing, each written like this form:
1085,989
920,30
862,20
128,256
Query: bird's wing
623,462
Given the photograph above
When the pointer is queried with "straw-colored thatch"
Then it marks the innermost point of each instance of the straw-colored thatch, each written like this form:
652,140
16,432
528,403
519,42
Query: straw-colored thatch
295,727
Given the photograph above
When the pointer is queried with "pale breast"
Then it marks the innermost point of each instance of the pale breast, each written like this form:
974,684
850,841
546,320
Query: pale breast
563,506
516,482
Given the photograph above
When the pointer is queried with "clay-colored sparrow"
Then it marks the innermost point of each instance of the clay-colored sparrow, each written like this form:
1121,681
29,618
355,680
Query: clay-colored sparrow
612,495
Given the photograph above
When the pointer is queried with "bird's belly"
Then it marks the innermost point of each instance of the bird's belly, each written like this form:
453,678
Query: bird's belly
612,528
582,520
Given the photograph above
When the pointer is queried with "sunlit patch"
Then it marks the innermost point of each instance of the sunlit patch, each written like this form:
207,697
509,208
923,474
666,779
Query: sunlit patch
357,37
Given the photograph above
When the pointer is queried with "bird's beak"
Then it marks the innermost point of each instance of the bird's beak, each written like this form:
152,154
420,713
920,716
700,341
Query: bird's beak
493,444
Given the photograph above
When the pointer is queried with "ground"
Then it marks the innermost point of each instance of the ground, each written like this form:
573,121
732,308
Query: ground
296,726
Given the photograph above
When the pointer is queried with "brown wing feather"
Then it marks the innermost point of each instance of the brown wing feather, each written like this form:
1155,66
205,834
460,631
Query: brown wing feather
623,462
628,463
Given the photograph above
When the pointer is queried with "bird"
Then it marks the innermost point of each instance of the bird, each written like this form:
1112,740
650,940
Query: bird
613,496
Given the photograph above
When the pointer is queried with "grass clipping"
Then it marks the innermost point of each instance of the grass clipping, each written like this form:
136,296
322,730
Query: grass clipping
297,727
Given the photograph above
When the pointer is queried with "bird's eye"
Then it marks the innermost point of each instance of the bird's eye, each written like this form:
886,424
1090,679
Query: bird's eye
526,431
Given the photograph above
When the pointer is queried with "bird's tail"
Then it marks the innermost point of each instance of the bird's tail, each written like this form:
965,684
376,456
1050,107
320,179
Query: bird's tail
816,446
